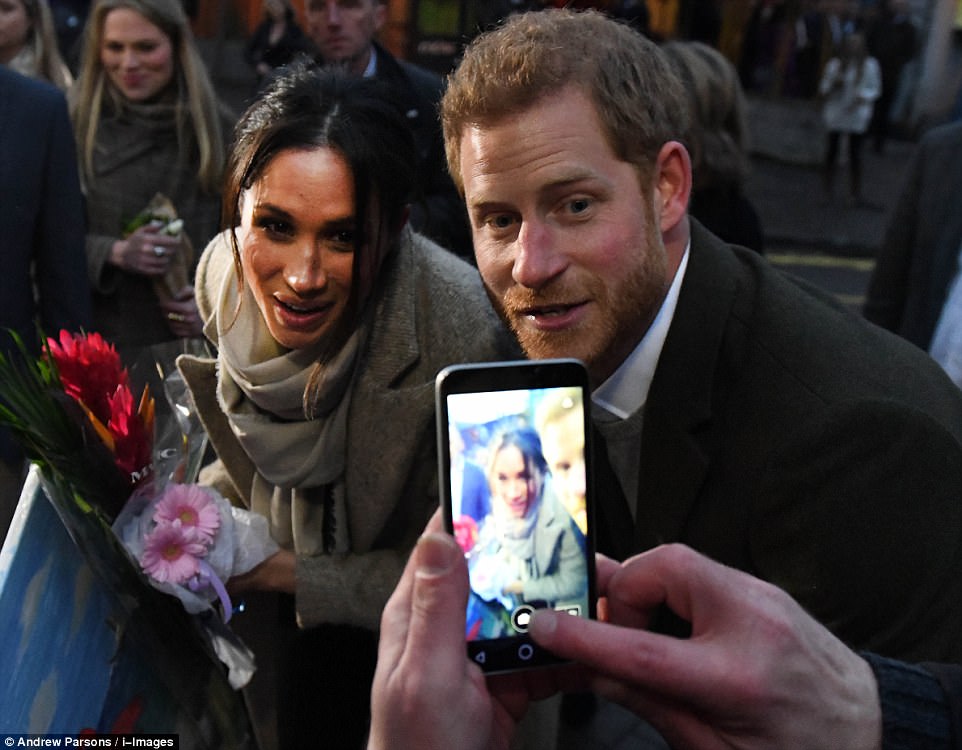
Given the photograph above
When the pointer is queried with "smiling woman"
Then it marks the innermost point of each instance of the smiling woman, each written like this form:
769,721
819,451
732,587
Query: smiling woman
331,319
298,253
149,131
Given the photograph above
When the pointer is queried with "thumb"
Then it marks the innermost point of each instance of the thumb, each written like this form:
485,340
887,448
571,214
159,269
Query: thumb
439,598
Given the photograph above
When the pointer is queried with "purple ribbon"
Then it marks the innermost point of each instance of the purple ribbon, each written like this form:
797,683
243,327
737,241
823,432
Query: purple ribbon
207,577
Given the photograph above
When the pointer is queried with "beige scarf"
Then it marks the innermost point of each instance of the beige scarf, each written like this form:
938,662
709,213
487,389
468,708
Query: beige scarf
261,390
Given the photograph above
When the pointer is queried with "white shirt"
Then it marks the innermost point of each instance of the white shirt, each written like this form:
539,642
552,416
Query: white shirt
626,390
618,402
946,346
371,68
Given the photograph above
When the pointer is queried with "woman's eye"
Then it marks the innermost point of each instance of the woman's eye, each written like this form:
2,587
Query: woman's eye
341,240
275,228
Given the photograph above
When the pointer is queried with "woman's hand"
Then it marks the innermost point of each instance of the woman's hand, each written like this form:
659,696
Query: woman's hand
276,573
146,251
182,314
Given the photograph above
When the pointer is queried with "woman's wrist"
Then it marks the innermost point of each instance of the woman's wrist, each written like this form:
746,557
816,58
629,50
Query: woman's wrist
117,252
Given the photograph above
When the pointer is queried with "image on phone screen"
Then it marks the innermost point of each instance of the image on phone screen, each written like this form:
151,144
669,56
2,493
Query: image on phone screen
516,499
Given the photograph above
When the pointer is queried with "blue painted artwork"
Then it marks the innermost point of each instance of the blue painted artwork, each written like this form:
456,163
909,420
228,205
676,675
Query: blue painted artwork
88,646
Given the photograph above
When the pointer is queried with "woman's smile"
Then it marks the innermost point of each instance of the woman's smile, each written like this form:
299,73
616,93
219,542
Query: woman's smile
297,251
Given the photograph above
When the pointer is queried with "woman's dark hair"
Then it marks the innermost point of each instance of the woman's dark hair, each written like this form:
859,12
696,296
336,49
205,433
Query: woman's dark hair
305,108
528,443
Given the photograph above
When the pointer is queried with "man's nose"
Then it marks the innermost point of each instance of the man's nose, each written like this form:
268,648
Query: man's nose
537,261
332,13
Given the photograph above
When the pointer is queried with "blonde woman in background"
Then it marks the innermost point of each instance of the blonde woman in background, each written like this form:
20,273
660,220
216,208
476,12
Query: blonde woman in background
28,43
147,121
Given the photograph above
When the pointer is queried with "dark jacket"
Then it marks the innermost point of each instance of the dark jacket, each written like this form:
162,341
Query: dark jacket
920,253
259,48
41,212
44,280
785,436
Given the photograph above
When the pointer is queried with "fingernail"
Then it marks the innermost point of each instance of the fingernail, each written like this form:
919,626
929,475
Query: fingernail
543,623
436,554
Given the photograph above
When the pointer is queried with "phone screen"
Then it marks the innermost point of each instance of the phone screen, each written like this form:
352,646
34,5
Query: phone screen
514,454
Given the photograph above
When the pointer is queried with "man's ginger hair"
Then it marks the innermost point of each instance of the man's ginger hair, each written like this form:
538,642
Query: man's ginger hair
638,96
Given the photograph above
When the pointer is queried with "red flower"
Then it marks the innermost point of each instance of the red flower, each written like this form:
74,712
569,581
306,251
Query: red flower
131,438
466,532
90,370
94,376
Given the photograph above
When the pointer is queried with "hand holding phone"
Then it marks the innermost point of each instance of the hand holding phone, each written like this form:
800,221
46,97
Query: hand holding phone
514,460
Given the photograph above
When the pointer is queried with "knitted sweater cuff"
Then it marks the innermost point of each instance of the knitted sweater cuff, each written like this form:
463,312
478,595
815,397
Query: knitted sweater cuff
915,715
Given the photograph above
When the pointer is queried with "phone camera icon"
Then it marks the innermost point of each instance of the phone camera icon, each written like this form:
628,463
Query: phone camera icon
521,618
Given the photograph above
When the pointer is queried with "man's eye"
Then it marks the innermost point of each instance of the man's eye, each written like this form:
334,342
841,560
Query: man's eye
579,205
500,221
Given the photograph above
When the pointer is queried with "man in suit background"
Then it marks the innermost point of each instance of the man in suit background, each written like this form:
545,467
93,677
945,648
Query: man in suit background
343,31
915,289
44,279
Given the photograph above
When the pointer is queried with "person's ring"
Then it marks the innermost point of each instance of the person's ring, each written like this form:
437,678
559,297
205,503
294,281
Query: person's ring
176,317
159,251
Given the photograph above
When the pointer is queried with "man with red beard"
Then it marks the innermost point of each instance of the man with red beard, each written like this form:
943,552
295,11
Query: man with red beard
737,410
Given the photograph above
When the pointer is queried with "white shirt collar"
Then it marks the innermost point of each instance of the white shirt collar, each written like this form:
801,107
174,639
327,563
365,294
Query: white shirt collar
371,68
626,390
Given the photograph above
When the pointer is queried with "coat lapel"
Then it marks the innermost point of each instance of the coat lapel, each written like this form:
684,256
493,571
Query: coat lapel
676,437
381,398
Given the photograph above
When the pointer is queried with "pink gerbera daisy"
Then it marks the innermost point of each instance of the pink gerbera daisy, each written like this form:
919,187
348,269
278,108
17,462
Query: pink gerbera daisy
192,506
171,554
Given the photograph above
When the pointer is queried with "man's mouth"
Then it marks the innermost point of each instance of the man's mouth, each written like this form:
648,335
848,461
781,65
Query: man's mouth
547,311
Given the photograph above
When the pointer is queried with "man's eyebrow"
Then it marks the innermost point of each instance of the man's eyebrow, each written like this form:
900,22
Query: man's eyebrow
561,182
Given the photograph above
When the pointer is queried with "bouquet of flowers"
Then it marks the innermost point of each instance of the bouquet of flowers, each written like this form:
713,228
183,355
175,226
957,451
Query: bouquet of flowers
74,412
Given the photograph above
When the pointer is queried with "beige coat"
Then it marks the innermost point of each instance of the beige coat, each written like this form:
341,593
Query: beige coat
432,312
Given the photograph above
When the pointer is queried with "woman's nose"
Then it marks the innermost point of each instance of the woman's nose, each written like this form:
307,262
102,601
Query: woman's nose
305,273
130,59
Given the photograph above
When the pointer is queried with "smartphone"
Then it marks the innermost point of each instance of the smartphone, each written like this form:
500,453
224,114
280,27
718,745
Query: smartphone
515,479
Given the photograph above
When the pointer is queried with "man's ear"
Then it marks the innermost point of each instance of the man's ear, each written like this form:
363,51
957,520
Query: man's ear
672,185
